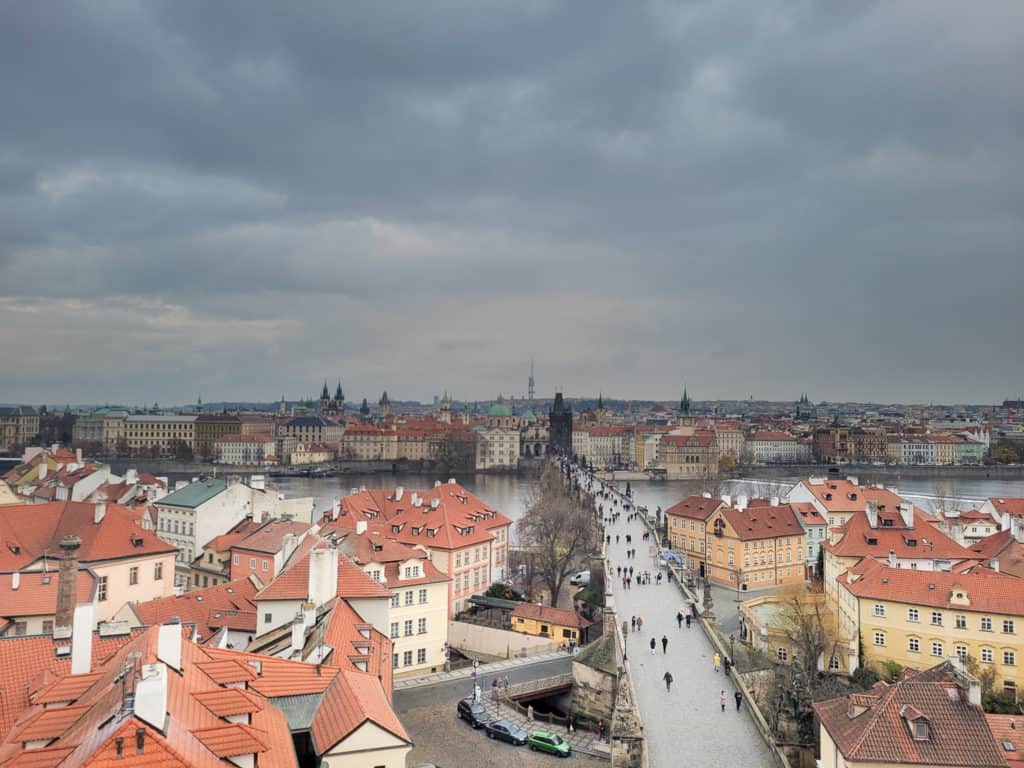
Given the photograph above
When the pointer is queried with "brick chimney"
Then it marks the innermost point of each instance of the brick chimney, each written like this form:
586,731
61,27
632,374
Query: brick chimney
67,586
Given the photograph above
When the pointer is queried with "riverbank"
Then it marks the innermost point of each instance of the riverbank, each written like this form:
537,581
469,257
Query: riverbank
868,472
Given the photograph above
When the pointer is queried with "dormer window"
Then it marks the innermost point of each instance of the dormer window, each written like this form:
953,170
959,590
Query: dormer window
920,730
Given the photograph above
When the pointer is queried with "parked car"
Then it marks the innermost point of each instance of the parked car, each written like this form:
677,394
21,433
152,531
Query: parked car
474,713
581,579
545,741
506,731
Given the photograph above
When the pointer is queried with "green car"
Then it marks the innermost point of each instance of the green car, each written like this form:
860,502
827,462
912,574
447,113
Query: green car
545,741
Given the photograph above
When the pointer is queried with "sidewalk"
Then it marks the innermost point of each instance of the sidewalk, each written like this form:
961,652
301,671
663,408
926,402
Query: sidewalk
484,670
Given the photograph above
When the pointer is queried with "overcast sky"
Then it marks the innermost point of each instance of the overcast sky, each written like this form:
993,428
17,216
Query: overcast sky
754,198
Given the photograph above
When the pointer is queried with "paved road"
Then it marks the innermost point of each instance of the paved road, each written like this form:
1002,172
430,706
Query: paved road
686,726
428,714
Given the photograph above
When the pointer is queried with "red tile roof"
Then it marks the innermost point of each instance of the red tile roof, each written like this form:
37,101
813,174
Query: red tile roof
923,541
449,517
36,594
875,728
268,537
561,617
694,507
699,439
293,582
1012,507
25,537
763,522
986,592
1008,730
351,700
211,608
230,740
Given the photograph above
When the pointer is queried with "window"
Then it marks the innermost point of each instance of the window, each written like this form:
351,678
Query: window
408,627
408,597
101,589
987,655
20,628
407,659
937,618
263,565
833,664
234,559
920,730
133,575
423,596
961,651
47,627
961,621
158,572
879,610
986,624
879,638
421,626
252,563
1008,626
394,661
913,614
421,656
394,601
268,618
1009,658
936,648
913,645
394,629
782,654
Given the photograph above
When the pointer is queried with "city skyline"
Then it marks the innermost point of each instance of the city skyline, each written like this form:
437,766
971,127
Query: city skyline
238,199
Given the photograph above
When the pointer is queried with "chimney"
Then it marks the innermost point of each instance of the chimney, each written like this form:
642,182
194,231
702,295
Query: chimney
335,509
871,510
78,455
99,512
298,633
360,527
437,483
399,491
15,581
81,639
706,495
131,476
993,564
43,468
323,575
151,695
727,500
774,501
67,586
741,501
168,648
258,483
907,513
892,558
852,480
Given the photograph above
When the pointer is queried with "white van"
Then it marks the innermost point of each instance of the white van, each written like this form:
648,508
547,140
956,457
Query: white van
581,579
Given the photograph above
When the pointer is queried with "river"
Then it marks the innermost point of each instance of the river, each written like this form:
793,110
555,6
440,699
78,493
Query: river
507,493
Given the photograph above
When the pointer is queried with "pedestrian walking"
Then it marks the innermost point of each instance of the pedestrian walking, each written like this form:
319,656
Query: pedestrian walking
728,664
654,646
632,621
687,621
639,623
668,681
616,538
664,644
529,709
718,661
739,700
721,700
679,619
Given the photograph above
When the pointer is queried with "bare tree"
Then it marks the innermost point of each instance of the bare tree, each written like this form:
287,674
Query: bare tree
559,528
809,626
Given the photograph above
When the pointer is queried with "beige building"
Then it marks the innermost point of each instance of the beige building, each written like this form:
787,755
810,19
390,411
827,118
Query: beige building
688,454
312,453
18,426
161,432
497,448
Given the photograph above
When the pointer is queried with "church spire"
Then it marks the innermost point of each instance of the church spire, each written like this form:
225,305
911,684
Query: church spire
684,404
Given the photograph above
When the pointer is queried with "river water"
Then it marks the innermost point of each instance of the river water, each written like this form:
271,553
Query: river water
507,493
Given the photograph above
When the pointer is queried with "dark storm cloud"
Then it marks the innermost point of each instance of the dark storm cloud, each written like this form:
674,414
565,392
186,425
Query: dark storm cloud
763,199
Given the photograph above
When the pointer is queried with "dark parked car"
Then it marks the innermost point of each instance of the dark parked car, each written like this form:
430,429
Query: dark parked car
473,713
506,731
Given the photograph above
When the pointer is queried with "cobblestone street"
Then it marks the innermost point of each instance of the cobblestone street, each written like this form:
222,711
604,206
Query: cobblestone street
451,743
686,726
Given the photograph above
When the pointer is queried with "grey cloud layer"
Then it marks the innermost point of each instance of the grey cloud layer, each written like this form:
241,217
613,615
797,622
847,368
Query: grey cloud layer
763,199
